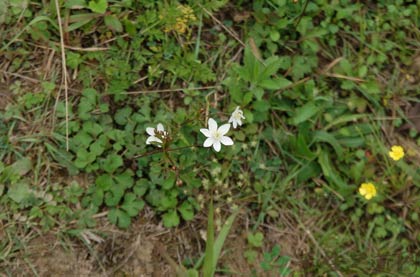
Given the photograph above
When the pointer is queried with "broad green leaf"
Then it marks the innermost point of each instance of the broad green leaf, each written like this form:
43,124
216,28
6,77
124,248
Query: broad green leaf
22,166
122,116
329,171
104,182
275,83
119,218
304,113
84,158
141,187
114,196
322,136
256,239
169,182
112,22
132,205
170,219
186,210
19,192
98,6
112,163
125,179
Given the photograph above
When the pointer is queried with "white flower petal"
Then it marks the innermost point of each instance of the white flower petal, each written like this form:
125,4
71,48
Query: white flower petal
205,132
160,128
150,131
217,146
231,119
212,125
235,124
224,129
208,142
153,139
226,140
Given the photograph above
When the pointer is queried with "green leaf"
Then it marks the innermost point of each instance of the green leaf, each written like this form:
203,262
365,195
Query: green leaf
119,218
275,84
186,210
220,241
256,239
122,116
22,166
132,205
304,113
84,158
81,140
98,6
112,163
329,171
170,181
104,182
258,93
322,136
112,22
125,179
72,4
98,197
141,187
170,219
114,196
19,192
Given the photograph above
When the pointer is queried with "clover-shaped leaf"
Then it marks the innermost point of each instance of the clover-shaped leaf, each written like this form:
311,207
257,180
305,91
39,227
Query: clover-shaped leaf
170,219
132,205
112,163
119,218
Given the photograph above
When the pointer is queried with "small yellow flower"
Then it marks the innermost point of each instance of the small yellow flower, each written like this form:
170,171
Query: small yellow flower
367,190
396,153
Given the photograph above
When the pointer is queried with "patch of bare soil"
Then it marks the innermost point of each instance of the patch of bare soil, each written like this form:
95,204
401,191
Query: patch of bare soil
108,251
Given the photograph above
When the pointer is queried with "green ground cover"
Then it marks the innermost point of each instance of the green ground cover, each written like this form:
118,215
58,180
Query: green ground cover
311,185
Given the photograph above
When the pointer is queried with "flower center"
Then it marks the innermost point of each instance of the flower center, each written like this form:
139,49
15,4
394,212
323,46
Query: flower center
217,135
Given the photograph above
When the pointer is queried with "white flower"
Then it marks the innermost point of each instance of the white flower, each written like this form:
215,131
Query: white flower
216,136
236,117
156,135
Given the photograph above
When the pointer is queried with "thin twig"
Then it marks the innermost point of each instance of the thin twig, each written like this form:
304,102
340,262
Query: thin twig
64,70
231,32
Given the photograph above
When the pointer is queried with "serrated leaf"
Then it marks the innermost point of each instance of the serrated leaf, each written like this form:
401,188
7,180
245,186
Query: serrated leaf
114,196
141,187
104,182
169,182
170,219
122,116
187,211
112,163
125,179
132,205
119,218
